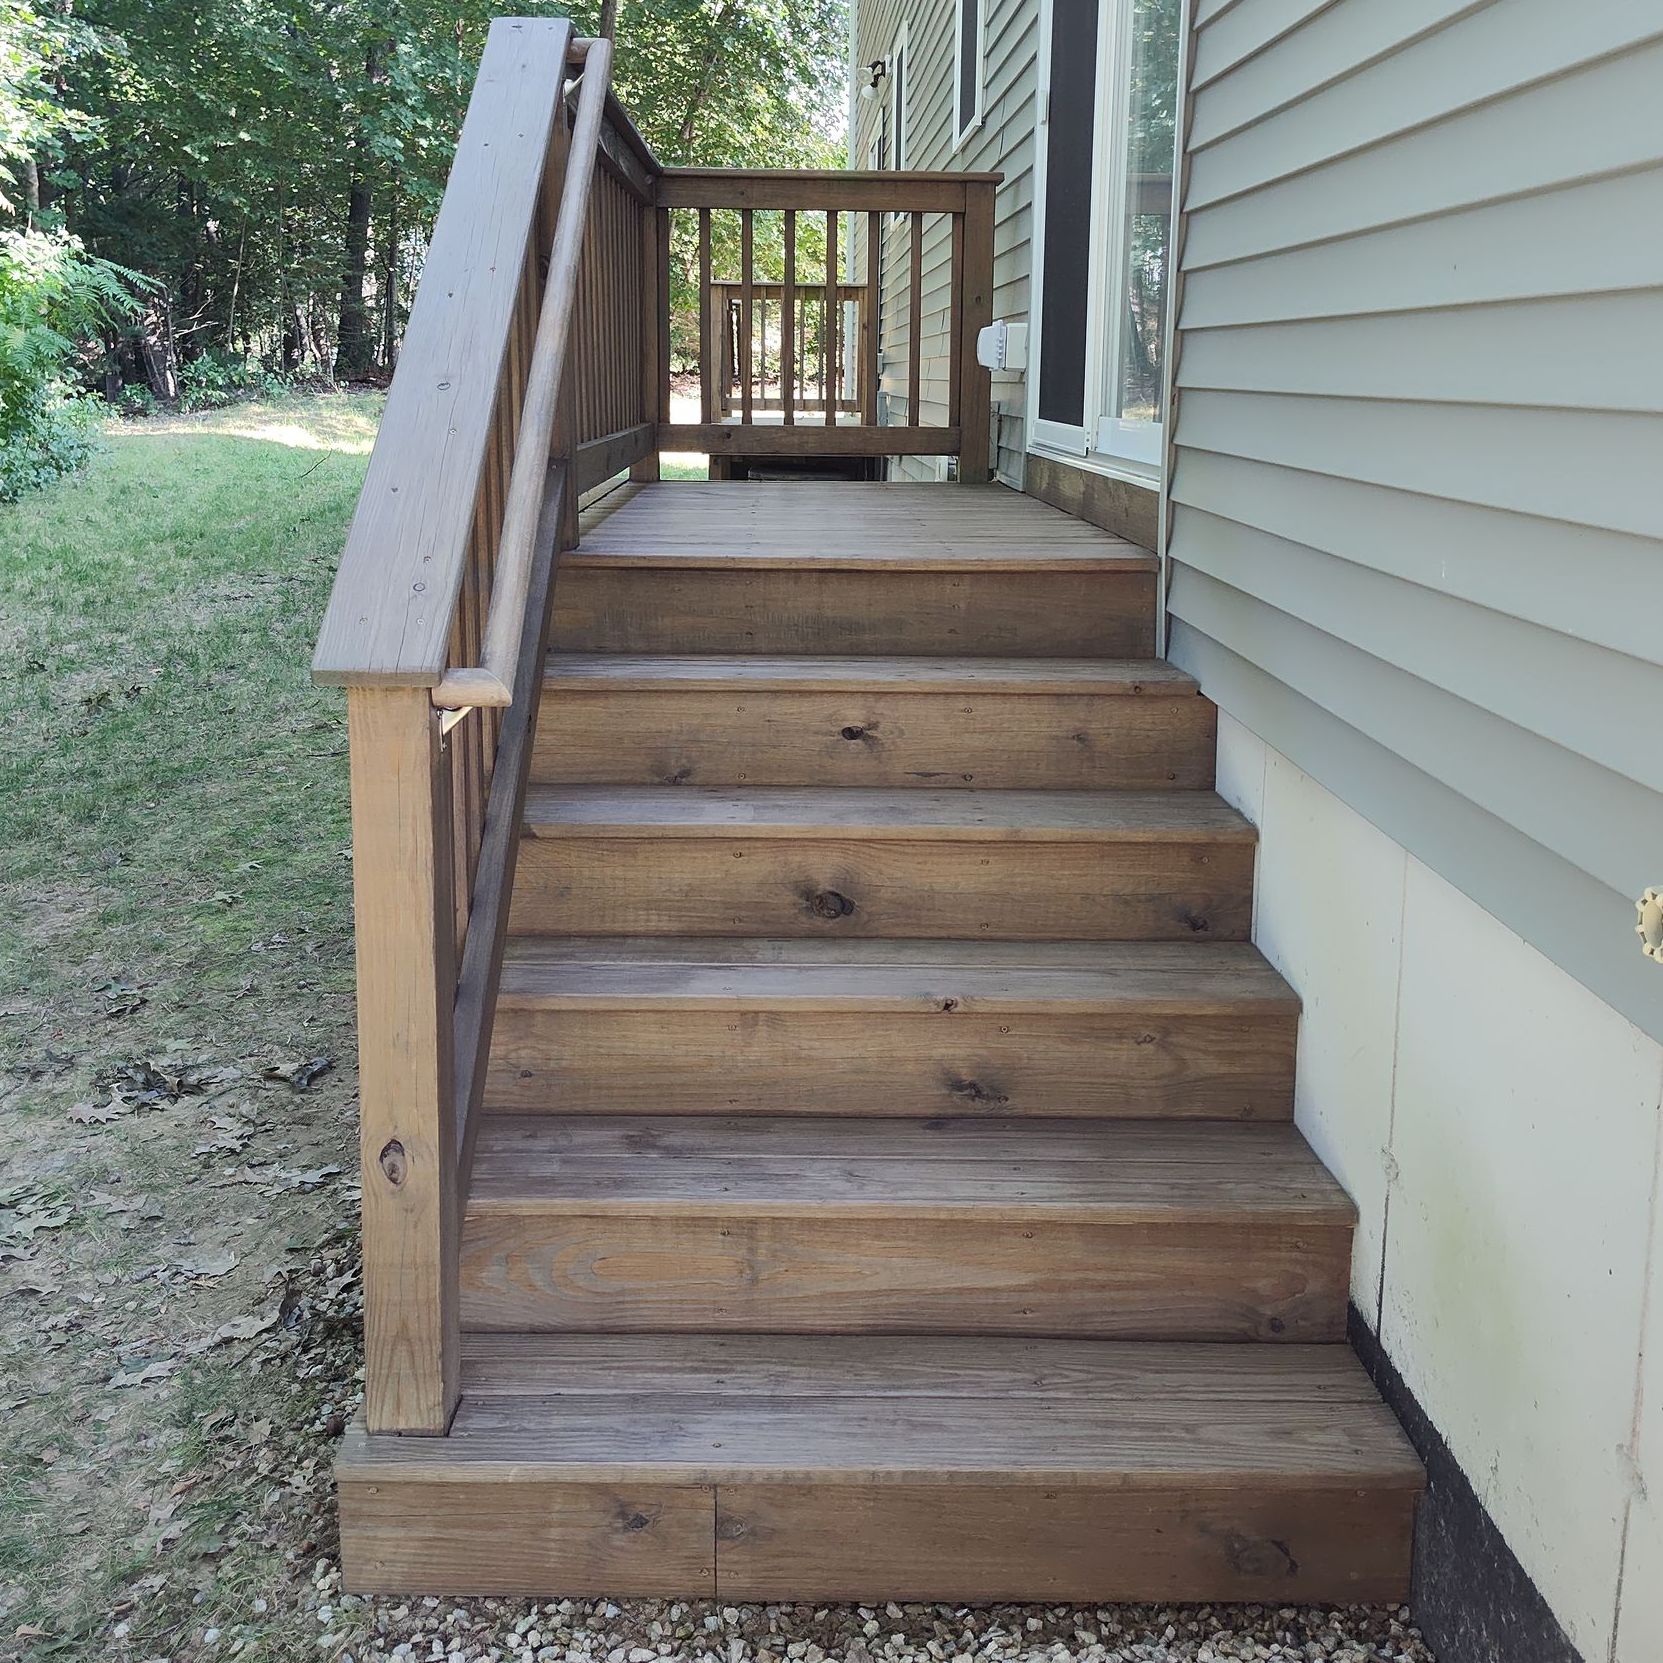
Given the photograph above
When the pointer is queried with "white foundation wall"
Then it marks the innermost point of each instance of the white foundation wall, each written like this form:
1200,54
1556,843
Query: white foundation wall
1501,1131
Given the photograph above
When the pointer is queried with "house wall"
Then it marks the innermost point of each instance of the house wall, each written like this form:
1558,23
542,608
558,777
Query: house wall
1498,1127
1417,516
1004,143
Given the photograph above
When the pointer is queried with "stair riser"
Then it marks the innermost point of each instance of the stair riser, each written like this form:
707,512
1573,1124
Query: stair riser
966,890
1271,1544
904,1273
892,1063
1032,741
994,614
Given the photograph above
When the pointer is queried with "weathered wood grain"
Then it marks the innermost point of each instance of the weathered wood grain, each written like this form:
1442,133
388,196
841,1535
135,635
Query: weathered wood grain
678,733
802,609
998,1542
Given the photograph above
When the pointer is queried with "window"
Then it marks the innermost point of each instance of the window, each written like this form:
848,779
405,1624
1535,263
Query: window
1143,85
1109,108
969,78
898,99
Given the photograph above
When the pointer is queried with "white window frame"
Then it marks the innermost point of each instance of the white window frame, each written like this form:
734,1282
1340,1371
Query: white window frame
1108,444
900,103
967,122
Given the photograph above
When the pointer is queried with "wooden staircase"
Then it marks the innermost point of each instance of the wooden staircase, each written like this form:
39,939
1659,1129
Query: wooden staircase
886,1185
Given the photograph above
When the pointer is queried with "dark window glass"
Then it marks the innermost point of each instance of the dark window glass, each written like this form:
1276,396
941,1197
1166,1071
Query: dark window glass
970,52
1068,167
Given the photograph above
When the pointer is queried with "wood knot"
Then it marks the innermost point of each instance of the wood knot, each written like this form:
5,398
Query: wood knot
827,903
395,1164
1196,923
973,1091
855,731
634,1521
1258,1556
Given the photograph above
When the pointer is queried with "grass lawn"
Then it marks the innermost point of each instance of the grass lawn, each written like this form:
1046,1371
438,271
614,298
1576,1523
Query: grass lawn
176,1291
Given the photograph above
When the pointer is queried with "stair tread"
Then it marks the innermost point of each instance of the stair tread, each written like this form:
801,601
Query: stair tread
692,973
885,815
846,527
805,673
767,1408
986,1168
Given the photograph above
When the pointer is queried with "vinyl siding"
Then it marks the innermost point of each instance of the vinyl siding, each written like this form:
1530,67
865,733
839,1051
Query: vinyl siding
1004,143
1417,463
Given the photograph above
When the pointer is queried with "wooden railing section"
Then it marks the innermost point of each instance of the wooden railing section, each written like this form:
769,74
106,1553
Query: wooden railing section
536,364
807,358
871,201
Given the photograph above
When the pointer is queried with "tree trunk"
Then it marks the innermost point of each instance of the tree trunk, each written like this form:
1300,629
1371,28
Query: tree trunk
355,337
355,346
609,19
161,364
389,289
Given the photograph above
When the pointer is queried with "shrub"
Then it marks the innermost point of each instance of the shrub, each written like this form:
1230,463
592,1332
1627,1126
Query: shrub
216,378
51,292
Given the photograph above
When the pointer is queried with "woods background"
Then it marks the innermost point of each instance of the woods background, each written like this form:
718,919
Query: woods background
201,196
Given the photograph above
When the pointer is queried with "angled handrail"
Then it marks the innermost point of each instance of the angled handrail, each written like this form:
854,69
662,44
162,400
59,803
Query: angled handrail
491,682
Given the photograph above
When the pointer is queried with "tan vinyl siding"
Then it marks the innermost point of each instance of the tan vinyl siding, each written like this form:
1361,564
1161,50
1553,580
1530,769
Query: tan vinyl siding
1004,143
1417,488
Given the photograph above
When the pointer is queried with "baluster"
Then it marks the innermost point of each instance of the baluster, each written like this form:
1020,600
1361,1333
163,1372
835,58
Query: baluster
707,334
915,324
955,309
788,323
746,320
873,326
831,331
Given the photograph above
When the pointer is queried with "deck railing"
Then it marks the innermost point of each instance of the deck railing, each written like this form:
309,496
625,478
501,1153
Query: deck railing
810,361
868,209
536,365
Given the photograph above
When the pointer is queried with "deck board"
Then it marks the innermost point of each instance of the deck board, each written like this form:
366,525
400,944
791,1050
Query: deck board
847,526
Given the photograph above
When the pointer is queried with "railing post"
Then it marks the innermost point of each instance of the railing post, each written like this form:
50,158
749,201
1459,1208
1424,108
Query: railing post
403,908
975,313
655,330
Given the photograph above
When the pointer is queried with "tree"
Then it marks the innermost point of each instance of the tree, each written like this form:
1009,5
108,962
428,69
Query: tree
51,293
275,167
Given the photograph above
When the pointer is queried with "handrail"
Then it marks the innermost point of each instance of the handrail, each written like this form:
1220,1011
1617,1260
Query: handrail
536,365
491,683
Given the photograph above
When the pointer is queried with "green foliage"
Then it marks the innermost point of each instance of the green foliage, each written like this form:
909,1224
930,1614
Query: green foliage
51,294
215,379
276,164
53,440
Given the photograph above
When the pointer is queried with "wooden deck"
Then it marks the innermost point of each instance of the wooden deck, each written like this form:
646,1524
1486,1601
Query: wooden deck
769,525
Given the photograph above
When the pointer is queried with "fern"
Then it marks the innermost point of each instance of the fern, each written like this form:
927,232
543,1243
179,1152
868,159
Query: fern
52,295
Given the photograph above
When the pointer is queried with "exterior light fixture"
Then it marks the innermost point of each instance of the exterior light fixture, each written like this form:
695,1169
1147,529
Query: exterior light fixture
875,72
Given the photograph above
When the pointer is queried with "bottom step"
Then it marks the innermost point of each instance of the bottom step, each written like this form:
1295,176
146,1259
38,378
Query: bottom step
781,1468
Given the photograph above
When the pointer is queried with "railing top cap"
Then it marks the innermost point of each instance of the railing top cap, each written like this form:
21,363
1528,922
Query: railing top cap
864,175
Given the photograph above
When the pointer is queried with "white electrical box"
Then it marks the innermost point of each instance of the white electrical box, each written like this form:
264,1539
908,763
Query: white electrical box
1003,346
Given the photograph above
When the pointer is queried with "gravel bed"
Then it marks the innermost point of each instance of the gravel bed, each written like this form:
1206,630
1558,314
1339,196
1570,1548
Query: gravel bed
601,1631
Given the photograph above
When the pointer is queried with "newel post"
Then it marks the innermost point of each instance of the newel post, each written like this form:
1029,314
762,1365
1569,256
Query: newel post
975,314
404,913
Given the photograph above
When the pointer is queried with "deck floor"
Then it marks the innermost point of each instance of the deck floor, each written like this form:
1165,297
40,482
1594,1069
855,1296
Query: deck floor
764,522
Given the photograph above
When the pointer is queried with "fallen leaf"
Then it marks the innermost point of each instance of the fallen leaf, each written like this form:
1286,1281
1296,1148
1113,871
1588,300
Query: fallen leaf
301,1075
97,1114
207,1264
145,1373
243,1328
